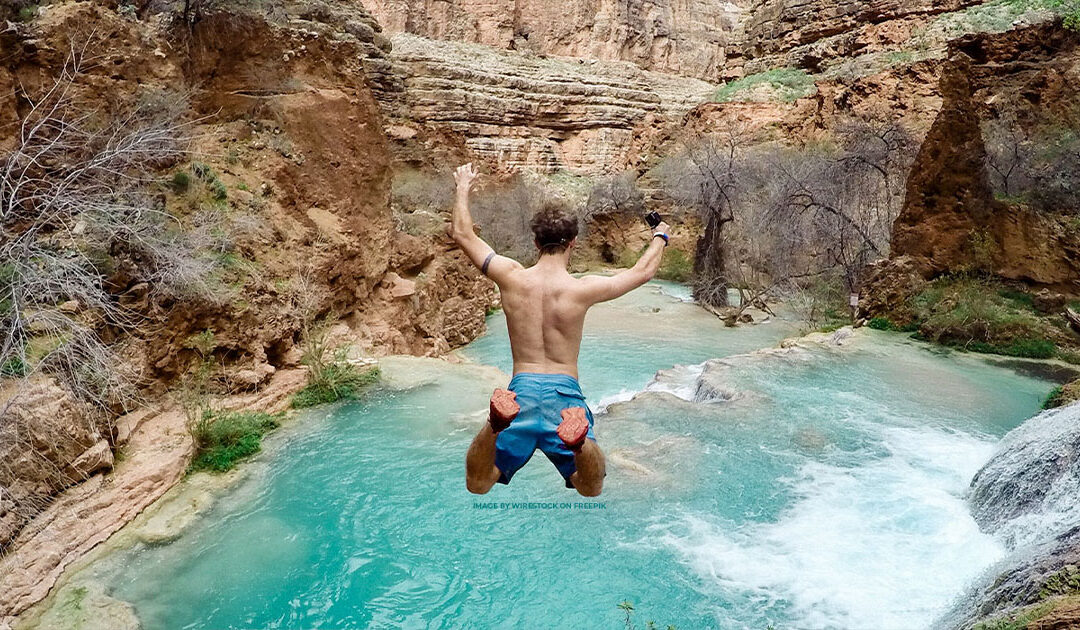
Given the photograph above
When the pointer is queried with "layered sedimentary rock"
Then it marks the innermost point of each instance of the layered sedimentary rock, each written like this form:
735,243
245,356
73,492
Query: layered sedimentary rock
518,110
688,38
777,33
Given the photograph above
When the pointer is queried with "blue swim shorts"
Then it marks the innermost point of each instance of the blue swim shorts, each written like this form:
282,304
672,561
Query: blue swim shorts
542,397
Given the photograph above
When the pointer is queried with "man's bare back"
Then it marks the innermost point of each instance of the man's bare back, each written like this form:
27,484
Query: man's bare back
545,311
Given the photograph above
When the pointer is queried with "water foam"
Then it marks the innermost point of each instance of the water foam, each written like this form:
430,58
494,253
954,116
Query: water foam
834,559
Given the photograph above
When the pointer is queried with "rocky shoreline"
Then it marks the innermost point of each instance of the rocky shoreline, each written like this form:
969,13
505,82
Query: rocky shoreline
86,515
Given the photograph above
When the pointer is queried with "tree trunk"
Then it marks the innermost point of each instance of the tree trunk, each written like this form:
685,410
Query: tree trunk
710,278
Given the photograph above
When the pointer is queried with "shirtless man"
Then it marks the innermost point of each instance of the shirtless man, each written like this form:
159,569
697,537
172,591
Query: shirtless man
543,407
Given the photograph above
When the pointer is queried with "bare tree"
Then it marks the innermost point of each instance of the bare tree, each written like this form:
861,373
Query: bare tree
74,194
705,177
1037,164
616,194
778,217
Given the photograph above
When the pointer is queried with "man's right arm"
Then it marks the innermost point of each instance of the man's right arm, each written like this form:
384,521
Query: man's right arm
604,288
496,267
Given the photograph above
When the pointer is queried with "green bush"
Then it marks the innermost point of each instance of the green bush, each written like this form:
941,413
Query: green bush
881,323
787,85
224,438
1053,399
27,13
218,189
339,380
676,266
180,182
14,367
975,314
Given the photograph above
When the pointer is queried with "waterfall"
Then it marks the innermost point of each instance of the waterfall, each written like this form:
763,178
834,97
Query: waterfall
1027,495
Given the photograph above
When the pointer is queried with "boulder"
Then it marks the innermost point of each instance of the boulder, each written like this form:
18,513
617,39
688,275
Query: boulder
97,458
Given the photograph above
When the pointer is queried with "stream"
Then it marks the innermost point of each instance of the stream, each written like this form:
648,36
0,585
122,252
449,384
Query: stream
815,488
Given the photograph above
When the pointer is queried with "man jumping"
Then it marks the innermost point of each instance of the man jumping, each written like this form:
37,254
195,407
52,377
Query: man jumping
545,306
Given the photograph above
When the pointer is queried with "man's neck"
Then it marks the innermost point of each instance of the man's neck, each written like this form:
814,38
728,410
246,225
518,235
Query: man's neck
551,262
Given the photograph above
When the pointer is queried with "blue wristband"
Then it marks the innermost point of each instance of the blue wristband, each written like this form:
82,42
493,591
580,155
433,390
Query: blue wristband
667,239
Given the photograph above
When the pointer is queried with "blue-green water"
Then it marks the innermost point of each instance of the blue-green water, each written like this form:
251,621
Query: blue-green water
826,494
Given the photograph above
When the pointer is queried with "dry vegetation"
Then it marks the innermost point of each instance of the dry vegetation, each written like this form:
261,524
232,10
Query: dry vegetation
781,219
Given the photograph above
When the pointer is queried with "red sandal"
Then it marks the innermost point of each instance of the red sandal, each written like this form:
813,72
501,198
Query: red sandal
574,428
504,409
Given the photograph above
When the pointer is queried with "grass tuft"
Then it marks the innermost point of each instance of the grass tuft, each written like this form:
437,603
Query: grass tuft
980,315
784,84
340,381
224,438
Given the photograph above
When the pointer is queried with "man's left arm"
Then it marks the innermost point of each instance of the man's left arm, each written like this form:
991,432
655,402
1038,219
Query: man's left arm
461,230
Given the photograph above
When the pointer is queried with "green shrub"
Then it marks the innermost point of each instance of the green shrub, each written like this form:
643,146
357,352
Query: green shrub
1053,399
881,323
676,266
14,367
27,13
975,314
339,380
180,182
218,189
224,438
787,85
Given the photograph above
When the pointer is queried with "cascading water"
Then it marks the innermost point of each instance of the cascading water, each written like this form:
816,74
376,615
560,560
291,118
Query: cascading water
810,487
1028,497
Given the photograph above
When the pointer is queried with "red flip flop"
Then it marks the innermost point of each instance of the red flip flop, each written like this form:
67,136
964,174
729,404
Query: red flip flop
574,428
504,409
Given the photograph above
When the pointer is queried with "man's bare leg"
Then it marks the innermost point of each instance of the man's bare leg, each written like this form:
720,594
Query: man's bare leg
480,470
588,479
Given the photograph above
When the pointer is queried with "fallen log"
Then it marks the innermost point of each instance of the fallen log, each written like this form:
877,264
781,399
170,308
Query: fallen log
1074,319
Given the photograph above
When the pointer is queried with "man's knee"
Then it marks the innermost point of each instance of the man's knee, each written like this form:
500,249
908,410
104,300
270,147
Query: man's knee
478,486
589,489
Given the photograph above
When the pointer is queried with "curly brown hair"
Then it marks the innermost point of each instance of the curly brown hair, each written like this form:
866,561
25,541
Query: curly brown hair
554,227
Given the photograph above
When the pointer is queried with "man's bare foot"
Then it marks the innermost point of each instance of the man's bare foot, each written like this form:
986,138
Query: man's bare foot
504,409
574,428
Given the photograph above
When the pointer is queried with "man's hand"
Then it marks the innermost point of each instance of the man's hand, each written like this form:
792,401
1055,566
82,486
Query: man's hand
662,228
465,176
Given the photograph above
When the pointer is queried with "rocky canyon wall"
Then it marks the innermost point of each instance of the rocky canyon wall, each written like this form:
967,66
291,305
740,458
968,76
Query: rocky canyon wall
282,115
687,38
512,110
807,34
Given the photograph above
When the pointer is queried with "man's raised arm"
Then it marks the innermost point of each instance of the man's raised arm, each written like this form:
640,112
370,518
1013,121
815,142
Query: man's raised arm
604,288
461,230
